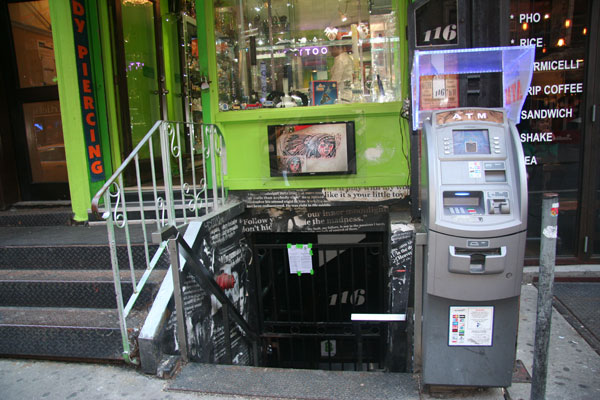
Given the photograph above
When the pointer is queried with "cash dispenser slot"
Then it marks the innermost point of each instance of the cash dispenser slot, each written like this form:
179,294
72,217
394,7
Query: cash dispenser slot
476,261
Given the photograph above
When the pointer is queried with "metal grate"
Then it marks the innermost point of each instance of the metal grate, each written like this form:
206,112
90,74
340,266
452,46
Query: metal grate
304,319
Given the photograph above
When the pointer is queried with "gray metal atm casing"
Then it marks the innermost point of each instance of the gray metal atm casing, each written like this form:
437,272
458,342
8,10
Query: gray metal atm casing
474,207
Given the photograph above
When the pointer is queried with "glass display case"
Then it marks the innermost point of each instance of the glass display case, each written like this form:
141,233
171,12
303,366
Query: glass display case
290,53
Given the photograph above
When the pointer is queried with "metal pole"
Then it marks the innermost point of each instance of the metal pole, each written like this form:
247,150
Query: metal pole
544,300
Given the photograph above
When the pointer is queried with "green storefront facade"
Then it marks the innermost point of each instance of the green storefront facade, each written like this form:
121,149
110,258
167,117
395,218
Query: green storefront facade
149,61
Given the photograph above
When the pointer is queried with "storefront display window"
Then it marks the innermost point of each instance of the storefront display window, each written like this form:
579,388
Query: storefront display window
551,128
191,75
34,47
289,53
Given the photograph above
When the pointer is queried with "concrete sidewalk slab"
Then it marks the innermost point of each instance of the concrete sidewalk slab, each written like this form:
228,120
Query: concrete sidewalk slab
51,380
573,366
573,373
582,272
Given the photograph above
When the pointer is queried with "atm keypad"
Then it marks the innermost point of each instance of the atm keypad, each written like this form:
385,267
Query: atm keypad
496,144
447,145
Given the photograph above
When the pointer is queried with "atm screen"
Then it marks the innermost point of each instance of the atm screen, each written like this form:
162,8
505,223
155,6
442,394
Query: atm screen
472,141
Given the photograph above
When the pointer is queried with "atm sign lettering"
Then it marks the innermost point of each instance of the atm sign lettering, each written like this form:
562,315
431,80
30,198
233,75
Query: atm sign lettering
469,115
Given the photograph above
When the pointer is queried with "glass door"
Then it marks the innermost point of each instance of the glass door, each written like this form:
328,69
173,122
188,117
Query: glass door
35,109
556,129
141,76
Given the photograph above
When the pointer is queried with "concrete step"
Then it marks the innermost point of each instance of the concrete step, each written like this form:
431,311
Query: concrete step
69,235
72,247
36,216
76,257
50,332
70,288
233,380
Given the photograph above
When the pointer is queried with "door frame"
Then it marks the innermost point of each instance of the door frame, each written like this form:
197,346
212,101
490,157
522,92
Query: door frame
28,191
590,202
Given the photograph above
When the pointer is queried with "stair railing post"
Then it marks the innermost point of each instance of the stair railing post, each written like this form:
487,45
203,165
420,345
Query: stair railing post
114,260
204,174
178,154
166,147
222,153
191,129
173,248
213,167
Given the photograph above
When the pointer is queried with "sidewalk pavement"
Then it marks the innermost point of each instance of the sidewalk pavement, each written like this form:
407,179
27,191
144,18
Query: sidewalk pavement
573,372
573,366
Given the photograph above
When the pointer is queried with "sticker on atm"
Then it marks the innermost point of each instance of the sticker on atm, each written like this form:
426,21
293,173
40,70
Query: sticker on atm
475,170
471,326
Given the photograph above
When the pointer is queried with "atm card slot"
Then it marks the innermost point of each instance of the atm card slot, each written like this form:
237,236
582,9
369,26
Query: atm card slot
495,176
476,261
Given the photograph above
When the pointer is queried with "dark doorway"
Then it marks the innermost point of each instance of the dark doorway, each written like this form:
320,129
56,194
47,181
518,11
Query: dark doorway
305,318
30,86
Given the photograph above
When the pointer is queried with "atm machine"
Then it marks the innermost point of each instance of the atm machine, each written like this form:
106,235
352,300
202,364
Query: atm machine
474,207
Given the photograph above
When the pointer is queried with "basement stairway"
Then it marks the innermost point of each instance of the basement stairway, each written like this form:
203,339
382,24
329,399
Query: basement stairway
57,297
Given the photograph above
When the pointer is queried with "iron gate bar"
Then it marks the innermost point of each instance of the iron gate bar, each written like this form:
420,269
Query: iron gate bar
352,286
326,286
272,284
314,303
308,323
339,279
359,346
301,326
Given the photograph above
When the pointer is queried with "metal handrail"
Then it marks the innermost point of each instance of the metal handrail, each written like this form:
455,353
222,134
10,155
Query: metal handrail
205,144
119,171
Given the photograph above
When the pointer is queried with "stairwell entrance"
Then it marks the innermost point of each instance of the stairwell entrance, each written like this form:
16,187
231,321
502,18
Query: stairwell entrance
304,319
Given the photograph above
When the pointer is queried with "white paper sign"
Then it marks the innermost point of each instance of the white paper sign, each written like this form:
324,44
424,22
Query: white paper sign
439,87
471,326
300,256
